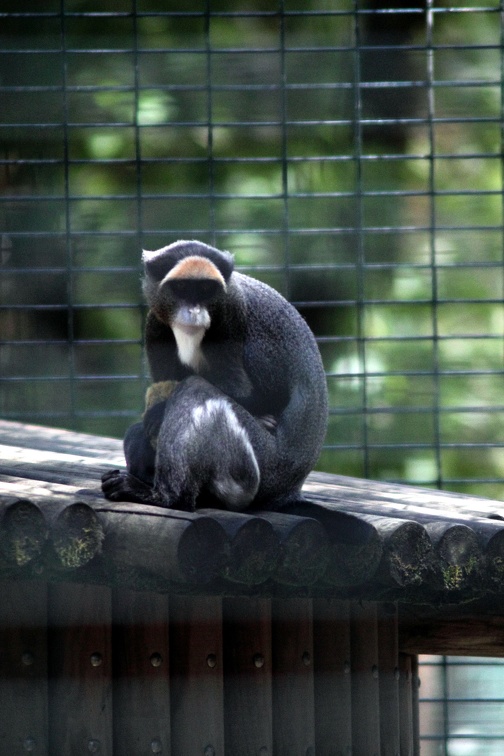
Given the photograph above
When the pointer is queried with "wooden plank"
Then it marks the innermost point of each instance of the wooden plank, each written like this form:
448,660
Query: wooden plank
57,439
415,696
388,660
293,687
405,705
332,663
56,467
248,678
254,546
23,667
80,669
141,673
365,682
393,498
467,635
196,669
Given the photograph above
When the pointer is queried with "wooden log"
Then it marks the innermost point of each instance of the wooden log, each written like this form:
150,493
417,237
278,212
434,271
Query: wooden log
492,540
55,467
459,560
23,530
394,499
332,664
254,547
56,439
196,669
293,686
80,669
407,551
365,682
50,513
141,692
388,679
304,551
150,547
76,535
23,667
247,675
355,545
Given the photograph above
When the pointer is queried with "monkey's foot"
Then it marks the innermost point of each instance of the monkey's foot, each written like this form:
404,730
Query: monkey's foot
118,485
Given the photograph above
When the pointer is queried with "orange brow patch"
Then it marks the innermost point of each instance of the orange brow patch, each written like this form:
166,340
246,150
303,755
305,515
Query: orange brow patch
196,267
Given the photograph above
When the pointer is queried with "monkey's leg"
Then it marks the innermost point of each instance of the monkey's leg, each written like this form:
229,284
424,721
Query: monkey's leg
136,483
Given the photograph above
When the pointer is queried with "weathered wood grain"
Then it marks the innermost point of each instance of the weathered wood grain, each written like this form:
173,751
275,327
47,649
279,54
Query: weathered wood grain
406,705
23,530
332,667
459,560
23,668
388,679
293,685
80,669
248,676
382,498
304,548
141,693
365,680
254,547
158,546
196,671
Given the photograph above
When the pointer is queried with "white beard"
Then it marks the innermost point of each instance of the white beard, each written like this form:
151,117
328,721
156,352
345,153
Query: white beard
188,340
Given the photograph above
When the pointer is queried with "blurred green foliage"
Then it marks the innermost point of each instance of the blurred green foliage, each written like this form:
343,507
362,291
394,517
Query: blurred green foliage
351,161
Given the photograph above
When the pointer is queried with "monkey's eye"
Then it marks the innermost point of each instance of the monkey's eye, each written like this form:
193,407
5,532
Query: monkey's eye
194,290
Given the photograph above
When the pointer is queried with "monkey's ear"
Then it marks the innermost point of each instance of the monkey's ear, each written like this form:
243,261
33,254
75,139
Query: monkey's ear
156,264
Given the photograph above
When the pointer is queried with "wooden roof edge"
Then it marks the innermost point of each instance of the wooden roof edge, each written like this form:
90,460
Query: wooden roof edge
350,538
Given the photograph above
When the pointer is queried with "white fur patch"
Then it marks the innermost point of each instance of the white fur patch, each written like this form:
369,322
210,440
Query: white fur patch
236,495
189,346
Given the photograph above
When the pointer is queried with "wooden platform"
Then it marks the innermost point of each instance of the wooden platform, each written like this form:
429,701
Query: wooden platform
130,630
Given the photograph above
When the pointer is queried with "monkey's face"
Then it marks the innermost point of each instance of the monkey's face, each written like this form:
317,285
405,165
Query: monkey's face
189,289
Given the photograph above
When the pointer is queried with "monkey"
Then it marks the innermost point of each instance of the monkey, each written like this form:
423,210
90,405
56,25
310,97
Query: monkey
237,411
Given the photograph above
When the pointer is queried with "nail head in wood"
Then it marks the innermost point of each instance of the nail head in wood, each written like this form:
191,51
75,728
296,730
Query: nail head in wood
96,660
211,660
156,660
258,661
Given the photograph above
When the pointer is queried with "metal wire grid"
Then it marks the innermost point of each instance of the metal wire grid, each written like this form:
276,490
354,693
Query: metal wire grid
349,157
461,706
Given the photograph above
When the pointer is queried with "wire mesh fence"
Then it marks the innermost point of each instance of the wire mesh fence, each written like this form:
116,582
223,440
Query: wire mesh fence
349,154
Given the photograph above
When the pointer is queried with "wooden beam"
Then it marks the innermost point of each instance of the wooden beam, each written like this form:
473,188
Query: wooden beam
23,668
80,669
332,657
141,673
469,635
196,672
293,686
248,676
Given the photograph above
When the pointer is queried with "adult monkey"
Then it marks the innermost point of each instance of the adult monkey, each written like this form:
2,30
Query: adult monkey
237,411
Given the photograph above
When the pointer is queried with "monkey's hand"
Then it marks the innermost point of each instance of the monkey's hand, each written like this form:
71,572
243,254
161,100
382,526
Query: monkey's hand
120,485
155,398
269,422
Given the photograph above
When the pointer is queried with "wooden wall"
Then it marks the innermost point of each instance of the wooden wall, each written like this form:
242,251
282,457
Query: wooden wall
90,669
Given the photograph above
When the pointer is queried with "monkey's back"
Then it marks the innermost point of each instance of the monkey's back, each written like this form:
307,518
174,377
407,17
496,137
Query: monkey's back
282,359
